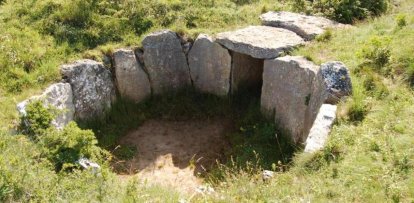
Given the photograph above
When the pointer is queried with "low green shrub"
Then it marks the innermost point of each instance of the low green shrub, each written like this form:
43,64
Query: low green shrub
376,52
374,86
325,36
64,148
242,2
38,118
299,5
356,112
123,152
401,20
356,108
410,74
344,11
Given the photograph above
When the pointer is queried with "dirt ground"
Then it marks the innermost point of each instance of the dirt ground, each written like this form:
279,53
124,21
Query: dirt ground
175,153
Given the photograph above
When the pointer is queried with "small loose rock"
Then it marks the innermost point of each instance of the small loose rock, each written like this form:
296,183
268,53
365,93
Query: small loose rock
267,175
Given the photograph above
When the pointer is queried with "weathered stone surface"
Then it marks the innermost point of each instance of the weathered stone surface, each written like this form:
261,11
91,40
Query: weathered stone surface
246,72
210,66
321,128
92,86
165,62
58,96
337,81
260,41
289,85
307,27
131,79
317,98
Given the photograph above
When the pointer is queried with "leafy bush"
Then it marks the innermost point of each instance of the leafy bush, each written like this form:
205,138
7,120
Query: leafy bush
344,11
410,74
37,119
401,20
242,2
376,52
299,5
64,148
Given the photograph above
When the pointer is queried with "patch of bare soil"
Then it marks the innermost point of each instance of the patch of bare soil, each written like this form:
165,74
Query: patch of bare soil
175,153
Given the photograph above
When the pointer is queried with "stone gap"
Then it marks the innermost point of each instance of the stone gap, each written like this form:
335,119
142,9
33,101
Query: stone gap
247,72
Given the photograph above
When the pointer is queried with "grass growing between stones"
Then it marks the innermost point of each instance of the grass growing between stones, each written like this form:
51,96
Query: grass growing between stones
39,36
369,157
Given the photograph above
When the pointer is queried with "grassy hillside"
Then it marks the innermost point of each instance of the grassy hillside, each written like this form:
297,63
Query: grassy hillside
369,157
39,36
370,154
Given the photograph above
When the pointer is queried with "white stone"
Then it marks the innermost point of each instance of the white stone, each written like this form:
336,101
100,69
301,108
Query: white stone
267,175
321,128
87,164
58,96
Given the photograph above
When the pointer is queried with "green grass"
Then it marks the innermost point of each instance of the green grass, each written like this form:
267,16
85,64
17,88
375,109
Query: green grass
39,36
369,156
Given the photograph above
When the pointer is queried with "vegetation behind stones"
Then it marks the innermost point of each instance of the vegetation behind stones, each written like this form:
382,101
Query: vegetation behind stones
368,157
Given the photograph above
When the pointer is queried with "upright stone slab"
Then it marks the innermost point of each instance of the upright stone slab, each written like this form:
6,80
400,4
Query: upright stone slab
246,72
92,86
210,66
337,81
131,79
289,93
165,62
58,96
321,128
260,42
307,27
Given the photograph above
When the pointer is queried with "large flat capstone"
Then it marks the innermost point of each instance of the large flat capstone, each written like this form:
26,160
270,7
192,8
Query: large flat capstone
260,42
92,87
210,66
131,79
165,62
307,27
292,92
58,96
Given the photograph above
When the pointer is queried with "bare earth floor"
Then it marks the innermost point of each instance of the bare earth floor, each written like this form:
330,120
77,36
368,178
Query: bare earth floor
175,153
